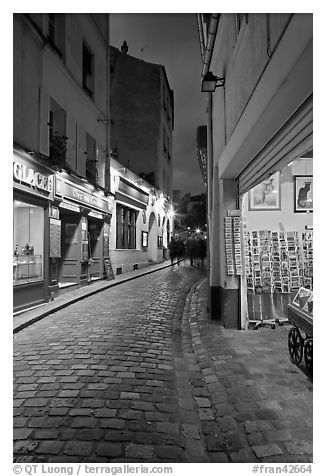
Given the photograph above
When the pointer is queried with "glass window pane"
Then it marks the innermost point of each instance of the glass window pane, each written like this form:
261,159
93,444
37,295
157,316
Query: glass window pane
28,242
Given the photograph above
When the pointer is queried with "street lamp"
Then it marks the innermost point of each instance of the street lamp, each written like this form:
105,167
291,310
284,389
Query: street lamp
210,82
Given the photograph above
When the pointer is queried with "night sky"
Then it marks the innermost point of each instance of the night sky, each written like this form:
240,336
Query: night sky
171,39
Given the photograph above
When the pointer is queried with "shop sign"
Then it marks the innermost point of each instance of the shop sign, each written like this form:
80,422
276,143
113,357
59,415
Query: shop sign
67,190
33,178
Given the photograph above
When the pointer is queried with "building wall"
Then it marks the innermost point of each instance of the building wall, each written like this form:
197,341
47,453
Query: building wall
138,117
40,74
27,67
232,54
152,220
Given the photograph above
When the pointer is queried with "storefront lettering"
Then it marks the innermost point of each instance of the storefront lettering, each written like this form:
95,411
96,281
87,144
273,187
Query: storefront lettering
86,198
35,179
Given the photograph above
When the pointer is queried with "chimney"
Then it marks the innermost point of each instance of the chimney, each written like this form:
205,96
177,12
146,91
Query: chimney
124,48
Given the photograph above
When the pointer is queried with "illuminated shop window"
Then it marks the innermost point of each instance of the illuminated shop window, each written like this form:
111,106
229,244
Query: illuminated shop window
28,243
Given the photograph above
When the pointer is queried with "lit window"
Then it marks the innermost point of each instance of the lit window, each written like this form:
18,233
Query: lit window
28,243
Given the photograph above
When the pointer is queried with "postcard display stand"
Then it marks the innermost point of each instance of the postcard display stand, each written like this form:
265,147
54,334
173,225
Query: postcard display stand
233,245
278,261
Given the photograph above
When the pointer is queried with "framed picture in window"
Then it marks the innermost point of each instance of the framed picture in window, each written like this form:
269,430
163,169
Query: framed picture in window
144,239
303,193
266,195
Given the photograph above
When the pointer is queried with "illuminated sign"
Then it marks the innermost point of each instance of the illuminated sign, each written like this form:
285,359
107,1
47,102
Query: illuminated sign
67,190
27,175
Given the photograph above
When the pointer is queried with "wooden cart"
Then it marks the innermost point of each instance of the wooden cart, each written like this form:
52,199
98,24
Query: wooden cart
300,338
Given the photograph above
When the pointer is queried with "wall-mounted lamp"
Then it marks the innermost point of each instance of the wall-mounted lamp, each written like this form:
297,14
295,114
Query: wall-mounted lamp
210,82
139,181
124,169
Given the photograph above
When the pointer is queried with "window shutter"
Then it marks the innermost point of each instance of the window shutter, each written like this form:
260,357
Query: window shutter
81,150
44,123
71,143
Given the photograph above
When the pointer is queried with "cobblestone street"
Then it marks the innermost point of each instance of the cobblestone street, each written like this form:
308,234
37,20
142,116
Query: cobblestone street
137,373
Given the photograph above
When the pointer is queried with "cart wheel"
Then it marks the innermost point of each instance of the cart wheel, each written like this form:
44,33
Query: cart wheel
273,326
307,352
295,345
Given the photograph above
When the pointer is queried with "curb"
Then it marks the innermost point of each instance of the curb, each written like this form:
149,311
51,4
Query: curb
58,307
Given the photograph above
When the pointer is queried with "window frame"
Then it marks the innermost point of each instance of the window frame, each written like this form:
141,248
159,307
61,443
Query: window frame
126,227
88,70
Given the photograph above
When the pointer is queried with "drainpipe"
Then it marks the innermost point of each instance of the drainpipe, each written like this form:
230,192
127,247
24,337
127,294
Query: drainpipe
107,184
212,29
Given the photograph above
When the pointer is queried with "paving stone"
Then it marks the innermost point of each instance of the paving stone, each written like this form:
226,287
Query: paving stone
278,435
109,449
139,451
80,412
112,423
168,452
47,434
163,427
116,435
203,402
68,393
24,446
22,433
190,431
145,406
262,451
130,395
89,434
19,422
78,448
257,425
36,402
218,457
49,447
243,456
131,415
105,412
84,422
206,414
93,403
298,447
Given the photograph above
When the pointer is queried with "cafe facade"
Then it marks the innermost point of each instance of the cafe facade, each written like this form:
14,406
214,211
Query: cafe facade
61,232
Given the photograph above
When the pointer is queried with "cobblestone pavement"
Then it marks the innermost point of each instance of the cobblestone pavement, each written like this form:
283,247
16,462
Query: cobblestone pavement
137,373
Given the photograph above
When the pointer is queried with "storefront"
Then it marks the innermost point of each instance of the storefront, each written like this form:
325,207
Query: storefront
82,218
278,239
33,196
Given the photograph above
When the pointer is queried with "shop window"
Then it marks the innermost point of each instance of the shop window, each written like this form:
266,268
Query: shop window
28,243
56,32
91,170
88,71
126,227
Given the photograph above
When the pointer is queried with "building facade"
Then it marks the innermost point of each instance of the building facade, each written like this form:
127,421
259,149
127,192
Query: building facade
142,222
142,113
259,122
61,171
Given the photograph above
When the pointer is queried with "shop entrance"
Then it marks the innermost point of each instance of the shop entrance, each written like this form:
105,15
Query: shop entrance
69,265
95,251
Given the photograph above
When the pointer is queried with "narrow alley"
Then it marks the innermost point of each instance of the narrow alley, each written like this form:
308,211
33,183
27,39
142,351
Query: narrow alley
138,373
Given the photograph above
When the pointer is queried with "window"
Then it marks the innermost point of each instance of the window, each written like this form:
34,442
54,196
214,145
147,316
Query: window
88,71
126,227
91,170
57,136
56,32
28,243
